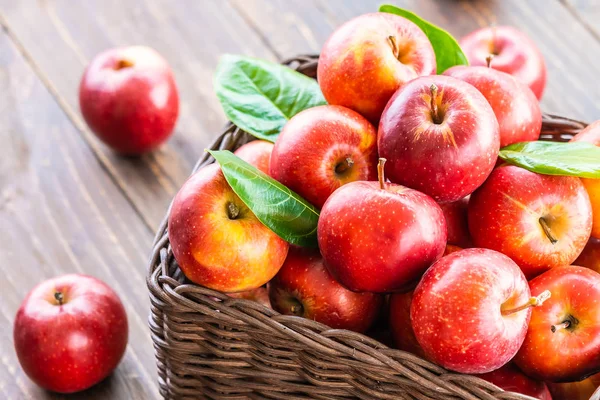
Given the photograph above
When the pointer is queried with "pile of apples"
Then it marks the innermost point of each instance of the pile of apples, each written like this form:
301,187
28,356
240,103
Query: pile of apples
421,225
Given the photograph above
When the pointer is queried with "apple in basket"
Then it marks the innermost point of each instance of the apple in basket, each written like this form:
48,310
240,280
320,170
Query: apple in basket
457,223
513,51
217,241
510,378
581,390
256,153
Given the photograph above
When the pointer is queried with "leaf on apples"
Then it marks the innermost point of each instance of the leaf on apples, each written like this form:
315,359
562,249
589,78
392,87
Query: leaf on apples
550,158
260,96
447,50
284,212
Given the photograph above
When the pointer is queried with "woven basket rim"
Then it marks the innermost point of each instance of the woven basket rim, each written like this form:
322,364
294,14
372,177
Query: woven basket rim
165,281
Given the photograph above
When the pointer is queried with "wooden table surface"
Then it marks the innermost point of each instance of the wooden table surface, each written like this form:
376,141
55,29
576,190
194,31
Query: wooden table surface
67,204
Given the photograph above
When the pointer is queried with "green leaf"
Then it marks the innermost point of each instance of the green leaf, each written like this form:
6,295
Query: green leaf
260,96
447,50
281,210
550,158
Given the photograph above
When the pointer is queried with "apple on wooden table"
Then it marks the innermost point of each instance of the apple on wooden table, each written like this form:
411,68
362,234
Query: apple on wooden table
129,99
70,333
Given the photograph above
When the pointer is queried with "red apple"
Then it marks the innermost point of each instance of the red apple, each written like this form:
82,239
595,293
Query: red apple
380,237
368,58
256,153
452,249
457,223
563,340
591,134
323,148
440,136
259,295
590,256
217,241
513,51
303,287
471,309
402,330
70,333
582,390
511,379
129,99
515,106
540,221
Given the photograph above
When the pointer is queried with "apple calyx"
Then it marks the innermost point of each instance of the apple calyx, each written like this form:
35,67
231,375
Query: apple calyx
122,64
547,231
381,173
233,211
344,166
296,307
435,114
570,322
532,302
59,297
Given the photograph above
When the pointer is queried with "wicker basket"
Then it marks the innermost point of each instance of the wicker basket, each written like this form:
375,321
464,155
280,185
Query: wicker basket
209,345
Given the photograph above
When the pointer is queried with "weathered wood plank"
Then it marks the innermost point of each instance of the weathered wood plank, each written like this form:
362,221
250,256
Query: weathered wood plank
588,12
572,88
61,36
61,213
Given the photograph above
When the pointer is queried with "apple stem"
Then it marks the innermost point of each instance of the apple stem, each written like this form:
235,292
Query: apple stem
394,46
546,229
434,108
571,320
532,302
122,64
381,173
344,165
58,296
489,59
232,211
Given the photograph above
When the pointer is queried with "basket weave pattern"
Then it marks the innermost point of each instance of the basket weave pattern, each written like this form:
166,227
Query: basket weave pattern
211,346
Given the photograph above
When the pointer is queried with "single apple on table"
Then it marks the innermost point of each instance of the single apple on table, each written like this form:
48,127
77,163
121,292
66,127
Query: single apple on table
511,379
368,58
470,311
323,148
513,51
305,288
590,256
581,390
455,214
378,236
540,221
591,134
563,339
440,136
70,333
401,326
256,153
515,106
217,240
129,99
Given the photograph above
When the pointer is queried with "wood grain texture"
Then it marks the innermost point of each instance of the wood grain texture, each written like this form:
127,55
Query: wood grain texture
60,213
572,88
588,12
190,34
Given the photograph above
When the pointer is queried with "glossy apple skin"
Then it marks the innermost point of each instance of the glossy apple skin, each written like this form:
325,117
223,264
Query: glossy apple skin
515,106
590,256
230,255
449,160
515,53
359,69
133,110
582,390
511,379
569,354
259,295
591,134
504,215
70,347
376,240
456,311
401,326
256,153
457,223
304,281
315,142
